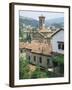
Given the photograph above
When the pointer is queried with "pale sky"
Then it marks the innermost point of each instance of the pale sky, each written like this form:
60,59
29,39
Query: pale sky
36,14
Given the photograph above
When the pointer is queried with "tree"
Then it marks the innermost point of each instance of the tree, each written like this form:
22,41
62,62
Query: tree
23,69
58,61
28,38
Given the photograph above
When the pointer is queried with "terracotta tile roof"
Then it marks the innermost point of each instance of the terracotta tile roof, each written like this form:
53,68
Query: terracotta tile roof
21,45
40,48
24,45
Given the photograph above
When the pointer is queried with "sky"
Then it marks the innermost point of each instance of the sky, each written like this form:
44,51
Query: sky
36,14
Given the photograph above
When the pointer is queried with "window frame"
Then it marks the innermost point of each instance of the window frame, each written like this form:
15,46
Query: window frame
60,45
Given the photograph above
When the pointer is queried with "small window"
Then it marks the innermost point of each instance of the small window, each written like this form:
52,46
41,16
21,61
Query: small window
40,59
61,45
48,61
34,58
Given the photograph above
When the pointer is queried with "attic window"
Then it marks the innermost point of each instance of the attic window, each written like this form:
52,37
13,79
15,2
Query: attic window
61,45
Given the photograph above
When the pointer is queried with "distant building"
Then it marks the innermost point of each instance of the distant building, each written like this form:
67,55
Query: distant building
43,43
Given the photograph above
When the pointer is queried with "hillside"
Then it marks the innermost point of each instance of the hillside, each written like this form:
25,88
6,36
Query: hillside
57,22
28,21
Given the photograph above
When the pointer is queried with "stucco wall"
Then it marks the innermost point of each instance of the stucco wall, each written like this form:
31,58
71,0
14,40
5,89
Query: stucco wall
37,62
57,37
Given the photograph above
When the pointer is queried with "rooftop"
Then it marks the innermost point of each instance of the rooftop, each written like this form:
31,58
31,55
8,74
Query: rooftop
39,48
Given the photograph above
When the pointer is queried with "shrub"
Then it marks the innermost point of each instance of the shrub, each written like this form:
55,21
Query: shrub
38,73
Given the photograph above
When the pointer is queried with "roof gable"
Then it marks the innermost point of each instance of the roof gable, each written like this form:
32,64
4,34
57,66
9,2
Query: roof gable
57,32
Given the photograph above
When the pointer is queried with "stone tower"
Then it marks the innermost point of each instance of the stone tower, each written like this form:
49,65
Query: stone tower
41,22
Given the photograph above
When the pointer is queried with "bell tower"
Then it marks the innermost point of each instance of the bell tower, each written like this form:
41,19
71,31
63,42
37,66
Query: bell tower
41,22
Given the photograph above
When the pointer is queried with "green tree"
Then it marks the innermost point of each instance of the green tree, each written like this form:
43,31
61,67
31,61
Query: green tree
23,69
58,61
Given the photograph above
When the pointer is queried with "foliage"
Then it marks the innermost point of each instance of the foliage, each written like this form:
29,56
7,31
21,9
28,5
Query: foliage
39,74
24,36
26,73
23,69
58,62
28,38
53,74
28,21
58,58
